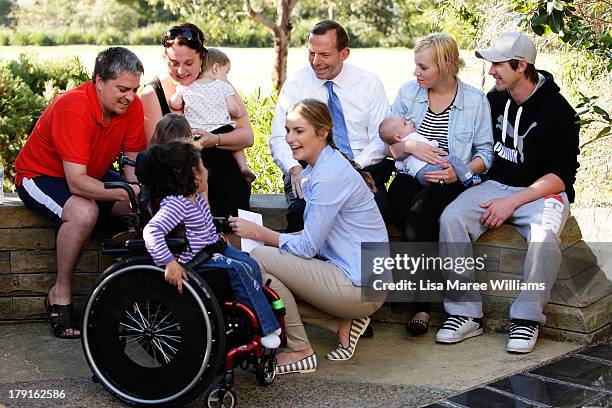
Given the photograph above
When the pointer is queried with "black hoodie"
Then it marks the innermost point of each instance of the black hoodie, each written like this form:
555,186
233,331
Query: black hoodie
546,140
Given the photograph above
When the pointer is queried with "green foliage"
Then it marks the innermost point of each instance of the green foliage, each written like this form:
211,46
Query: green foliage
51,15
5,36
587,29
40,38
385,23
148,35
26,88
18,106
6,7
269,177
57,75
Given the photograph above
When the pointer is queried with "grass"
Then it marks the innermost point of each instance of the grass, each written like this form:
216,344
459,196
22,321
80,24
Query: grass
252,67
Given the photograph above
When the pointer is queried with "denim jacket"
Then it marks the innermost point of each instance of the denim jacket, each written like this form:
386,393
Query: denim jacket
469,126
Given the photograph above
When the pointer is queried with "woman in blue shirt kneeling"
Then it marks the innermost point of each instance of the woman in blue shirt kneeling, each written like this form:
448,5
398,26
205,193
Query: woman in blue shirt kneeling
318,272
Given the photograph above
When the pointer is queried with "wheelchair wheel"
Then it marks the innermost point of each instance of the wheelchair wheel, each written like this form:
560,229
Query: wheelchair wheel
265,370
219,397
148,344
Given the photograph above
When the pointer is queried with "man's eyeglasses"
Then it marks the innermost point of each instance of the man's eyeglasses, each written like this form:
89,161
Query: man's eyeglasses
188,33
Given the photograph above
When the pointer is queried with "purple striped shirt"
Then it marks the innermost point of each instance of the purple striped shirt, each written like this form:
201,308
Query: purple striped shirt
199,228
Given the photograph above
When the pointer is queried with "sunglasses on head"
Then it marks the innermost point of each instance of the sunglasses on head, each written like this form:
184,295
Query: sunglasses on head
187,33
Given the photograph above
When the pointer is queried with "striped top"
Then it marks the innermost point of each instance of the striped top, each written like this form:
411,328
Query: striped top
199,228
435,127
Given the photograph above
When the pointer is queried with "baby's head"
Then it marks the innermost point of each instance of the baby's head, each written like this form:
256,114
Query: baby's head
216,64
172,127
394,128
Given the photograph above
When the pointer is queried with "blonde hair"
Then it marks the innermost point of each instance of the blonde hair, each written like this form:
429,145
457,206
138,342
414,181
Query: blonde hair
214,56
317,114
445,53
171,127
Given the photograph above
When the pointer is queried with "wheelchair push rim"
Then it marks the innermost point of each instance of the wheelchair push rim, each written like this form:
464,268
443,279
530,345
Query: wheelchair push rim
139,335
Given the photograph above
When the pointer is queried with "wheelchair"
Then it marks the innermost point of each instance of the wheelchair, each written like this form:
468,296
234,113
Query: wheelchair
151,346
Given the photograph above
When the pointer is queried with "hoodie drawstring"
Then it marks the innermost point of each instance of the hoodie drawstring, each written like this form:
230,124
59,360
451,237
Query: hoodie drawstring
505,122
517,121
516,126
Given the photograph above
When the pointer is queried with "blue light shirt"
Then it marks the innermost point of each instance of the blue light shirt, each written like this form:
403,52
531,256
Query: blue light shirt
340,214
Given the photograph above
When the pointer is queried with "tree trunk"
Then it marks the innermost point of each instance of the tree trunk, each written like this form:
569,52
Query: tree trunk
330,10
281,51
282,38
281,29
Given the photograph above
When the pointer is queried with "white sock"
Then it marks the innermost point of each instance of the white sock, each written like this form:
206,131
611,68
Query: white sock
271,340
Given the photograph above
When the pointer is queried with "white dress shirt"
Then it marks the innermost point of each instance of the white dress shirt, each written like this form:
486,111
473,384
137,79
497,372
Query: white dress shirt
364,104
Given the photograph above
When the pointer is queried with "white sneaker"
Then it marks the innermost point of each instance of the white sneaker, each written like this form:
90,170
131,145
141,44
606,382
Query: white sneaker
459,328
523,336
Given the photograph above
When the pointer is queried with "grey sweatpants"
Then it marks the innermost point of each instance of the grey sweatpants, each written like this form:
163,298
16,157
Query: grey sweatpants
540,222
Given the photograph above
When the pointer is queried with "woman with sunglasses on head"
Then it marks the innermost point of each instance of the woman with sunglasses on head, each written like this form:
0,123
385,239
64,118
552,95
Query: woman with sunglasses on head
184,53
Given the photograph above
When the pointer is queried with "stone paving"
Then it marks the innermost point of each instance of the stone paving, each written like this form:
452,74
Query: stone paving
583,379
391,369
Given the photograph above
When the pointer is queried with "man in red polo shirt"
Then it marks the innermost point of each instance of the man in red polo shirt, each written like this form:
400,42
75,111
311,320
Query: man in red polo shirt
62,168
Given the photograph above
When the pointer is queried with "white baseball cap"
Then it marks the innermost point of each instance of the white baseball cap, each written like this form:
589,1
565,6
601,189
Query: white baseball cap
510,46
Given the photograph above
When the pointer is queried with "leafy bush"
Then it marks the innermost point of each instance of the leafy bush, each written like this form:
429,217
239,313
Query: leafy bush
40,38
18,106
21,38
110,37
269,177
5,36
26,88
148,35
61,74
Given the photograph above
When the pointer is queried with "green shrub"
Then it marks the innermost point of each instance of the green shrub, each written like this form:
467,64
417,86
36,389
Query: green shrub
21,38
62,74
26,87
40,38
148,35
71,36
18,108
301,28
110,37
269,177
6,35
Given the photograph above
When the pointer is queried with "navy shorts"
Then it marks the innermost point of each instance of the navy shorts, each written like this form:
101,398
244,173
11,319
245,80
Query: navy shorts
48,195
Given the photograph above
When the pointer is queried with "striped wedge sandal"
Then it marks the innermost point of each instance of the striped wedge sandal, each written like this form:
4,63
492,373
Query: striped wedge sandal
358,327
303,366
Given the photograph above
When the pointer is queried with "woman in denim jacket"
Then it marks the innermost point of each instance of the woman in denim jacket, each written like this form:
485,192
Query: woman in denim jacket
458,117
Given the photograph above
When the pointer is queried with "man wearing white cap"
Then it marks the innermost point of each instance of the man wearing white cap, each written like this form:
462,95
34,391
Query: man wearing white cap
530,186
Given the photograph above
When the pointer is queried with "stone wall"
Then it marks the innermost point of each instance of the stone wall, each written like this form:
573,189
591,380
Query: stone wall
580,308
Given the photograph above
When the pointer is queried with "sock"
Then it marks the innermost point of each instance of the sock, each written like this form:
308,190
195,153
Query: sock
271,340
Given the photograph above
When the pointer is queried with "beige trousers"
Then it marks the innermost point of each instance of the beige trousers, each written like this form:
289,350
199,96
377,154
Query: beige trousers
313,291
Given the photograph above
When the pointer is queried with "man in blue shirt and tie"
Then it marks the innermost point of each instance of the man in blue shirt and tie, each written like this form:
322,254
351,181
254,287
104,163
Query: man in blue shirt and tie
358,103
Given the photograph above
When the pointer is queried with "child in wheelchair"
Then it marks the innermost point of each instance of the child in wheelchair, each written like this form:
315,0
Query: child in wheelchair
174,173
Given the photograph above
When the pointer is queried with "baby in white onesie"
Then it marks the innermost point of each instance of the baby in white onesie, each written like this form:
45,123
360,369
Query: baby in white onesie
397,129
210,102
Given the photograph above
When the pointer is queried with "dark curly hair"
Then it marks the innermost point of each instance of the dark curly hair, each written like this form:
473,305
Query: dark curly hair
168,169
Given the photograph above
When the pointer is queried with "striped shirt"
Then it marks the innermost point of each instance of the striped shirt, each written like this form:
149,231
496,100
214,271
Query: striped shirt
199,228
435,127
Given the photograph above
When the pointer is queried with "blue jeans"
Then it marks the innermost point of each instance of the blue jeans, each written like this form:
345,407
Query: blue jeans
245,279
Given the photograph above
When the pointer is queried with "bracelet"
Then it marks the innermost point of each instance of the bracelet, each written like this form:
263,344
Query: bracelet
218,140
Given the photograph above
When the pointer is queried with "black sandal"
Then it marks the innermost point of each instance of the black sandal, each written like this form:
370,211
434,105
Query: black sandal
417,327
61,320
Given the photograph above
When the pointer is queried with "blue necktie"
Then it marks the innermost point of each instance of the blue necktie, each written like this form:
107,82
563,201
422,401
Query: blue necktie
340,132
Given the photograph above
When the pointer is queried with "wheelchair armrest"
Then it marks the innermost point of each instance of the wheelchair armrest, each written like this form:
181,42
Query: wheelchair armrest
175,244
